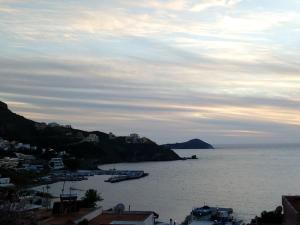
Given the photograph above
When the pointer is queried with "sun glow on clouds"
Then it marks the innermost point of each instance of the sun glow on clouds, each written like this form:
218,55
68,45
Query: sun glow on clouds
214,69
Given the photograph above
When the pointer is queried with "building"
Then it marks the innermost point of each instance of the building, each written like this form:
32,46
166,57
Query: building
33,167
24,157
291,210
111,136
133,138
125,217
68,211
92,138
5,182
9,163
40,126
145,140
4,144
22,146
56,163
53,124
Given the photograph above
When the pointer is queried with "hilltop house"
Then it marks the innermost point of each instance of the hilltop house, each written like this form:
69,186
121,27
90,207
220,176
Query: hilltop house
5,182
133,138
56,163
111,136
92,138
9,163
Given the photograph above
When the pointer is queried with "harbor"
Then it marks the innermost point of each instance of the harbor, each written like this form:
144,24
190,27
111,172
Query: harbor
80,175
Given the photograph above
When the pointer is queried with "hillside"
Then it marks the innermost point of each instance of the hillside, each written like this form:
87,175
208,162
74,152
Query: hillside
191,144
79,143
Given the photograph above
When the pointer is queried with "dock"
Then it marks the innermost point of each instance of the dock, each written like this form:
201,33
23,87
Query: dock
129,176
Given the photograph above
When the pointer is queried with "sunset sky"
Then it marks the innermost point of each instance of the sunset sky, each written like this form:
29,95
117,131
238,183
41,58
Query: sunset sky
225,71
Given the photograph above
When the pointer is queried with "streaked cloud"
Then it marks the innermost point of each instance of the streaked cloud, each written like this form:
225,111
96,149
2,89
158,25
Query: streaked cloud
218,70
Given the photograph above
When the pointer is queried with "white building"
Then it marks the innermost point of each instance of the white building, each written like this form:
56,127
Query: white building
9,163
133,138
5,182
24,157
22,146
92,138
4,144
56,163
53,124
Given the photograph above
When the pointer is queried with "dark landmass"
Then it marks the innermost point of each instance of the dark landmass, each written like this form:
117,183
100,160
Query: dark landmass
107,149
191,144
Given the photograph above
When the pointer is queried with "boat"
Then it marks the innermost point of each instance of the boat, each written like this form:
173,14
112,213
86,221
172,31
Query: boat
207,215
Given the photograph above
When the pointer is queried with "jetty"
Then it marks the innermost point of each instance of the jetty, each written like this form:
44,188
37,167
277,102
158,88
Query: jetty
130,175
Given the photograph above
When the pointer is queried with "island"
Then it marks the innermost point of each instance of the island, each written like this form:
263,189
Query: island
191,144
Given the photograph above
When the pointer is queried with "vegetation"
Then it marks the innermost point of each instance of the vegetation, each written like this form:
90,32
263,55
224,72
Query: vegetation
19,178
72,164
271,217
91,198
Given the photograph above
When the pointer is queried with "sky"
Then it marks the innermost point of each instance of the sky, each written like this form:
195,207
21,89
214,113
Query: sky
225,71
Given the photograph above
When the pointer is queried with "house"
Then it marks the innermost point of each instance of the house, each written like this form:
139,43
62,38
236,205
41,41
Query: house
92,138
67,211
133,138
145,140
56,163
125,217
5,182
40,126
33,167
9,163
22,146
62,153
53,124
4,144
25,157
111,136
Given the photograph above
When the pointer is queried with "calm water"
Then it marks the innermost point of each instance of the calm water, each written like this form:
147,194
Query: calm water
248,180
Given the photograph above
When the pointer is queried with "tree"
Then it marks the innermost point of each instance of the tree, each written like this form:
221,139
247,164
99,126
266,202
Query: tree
72,164
91,198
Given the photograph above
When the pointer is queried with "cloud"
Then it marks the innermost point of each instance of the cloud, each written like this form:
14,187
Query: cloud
218,69
207,4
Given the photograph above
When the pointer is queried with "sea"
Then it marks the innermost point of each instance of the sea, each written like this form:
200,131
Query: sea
249,180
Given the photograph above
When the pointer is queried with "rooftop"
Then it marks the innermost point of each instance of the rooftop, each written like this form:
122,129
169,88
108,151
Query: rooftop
294,201
108,218
46,216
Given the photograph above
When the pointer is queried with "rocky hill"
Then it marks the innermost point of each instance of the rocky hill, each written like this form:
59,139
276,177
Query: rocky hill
97,146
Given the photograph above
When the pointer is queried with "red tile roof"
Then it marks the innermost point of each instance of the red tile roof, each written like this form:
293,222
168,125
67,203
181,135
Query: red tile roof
107,218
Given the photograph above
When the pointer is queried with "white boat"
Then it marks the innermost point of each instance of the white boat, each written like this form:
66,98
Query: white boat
212,216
